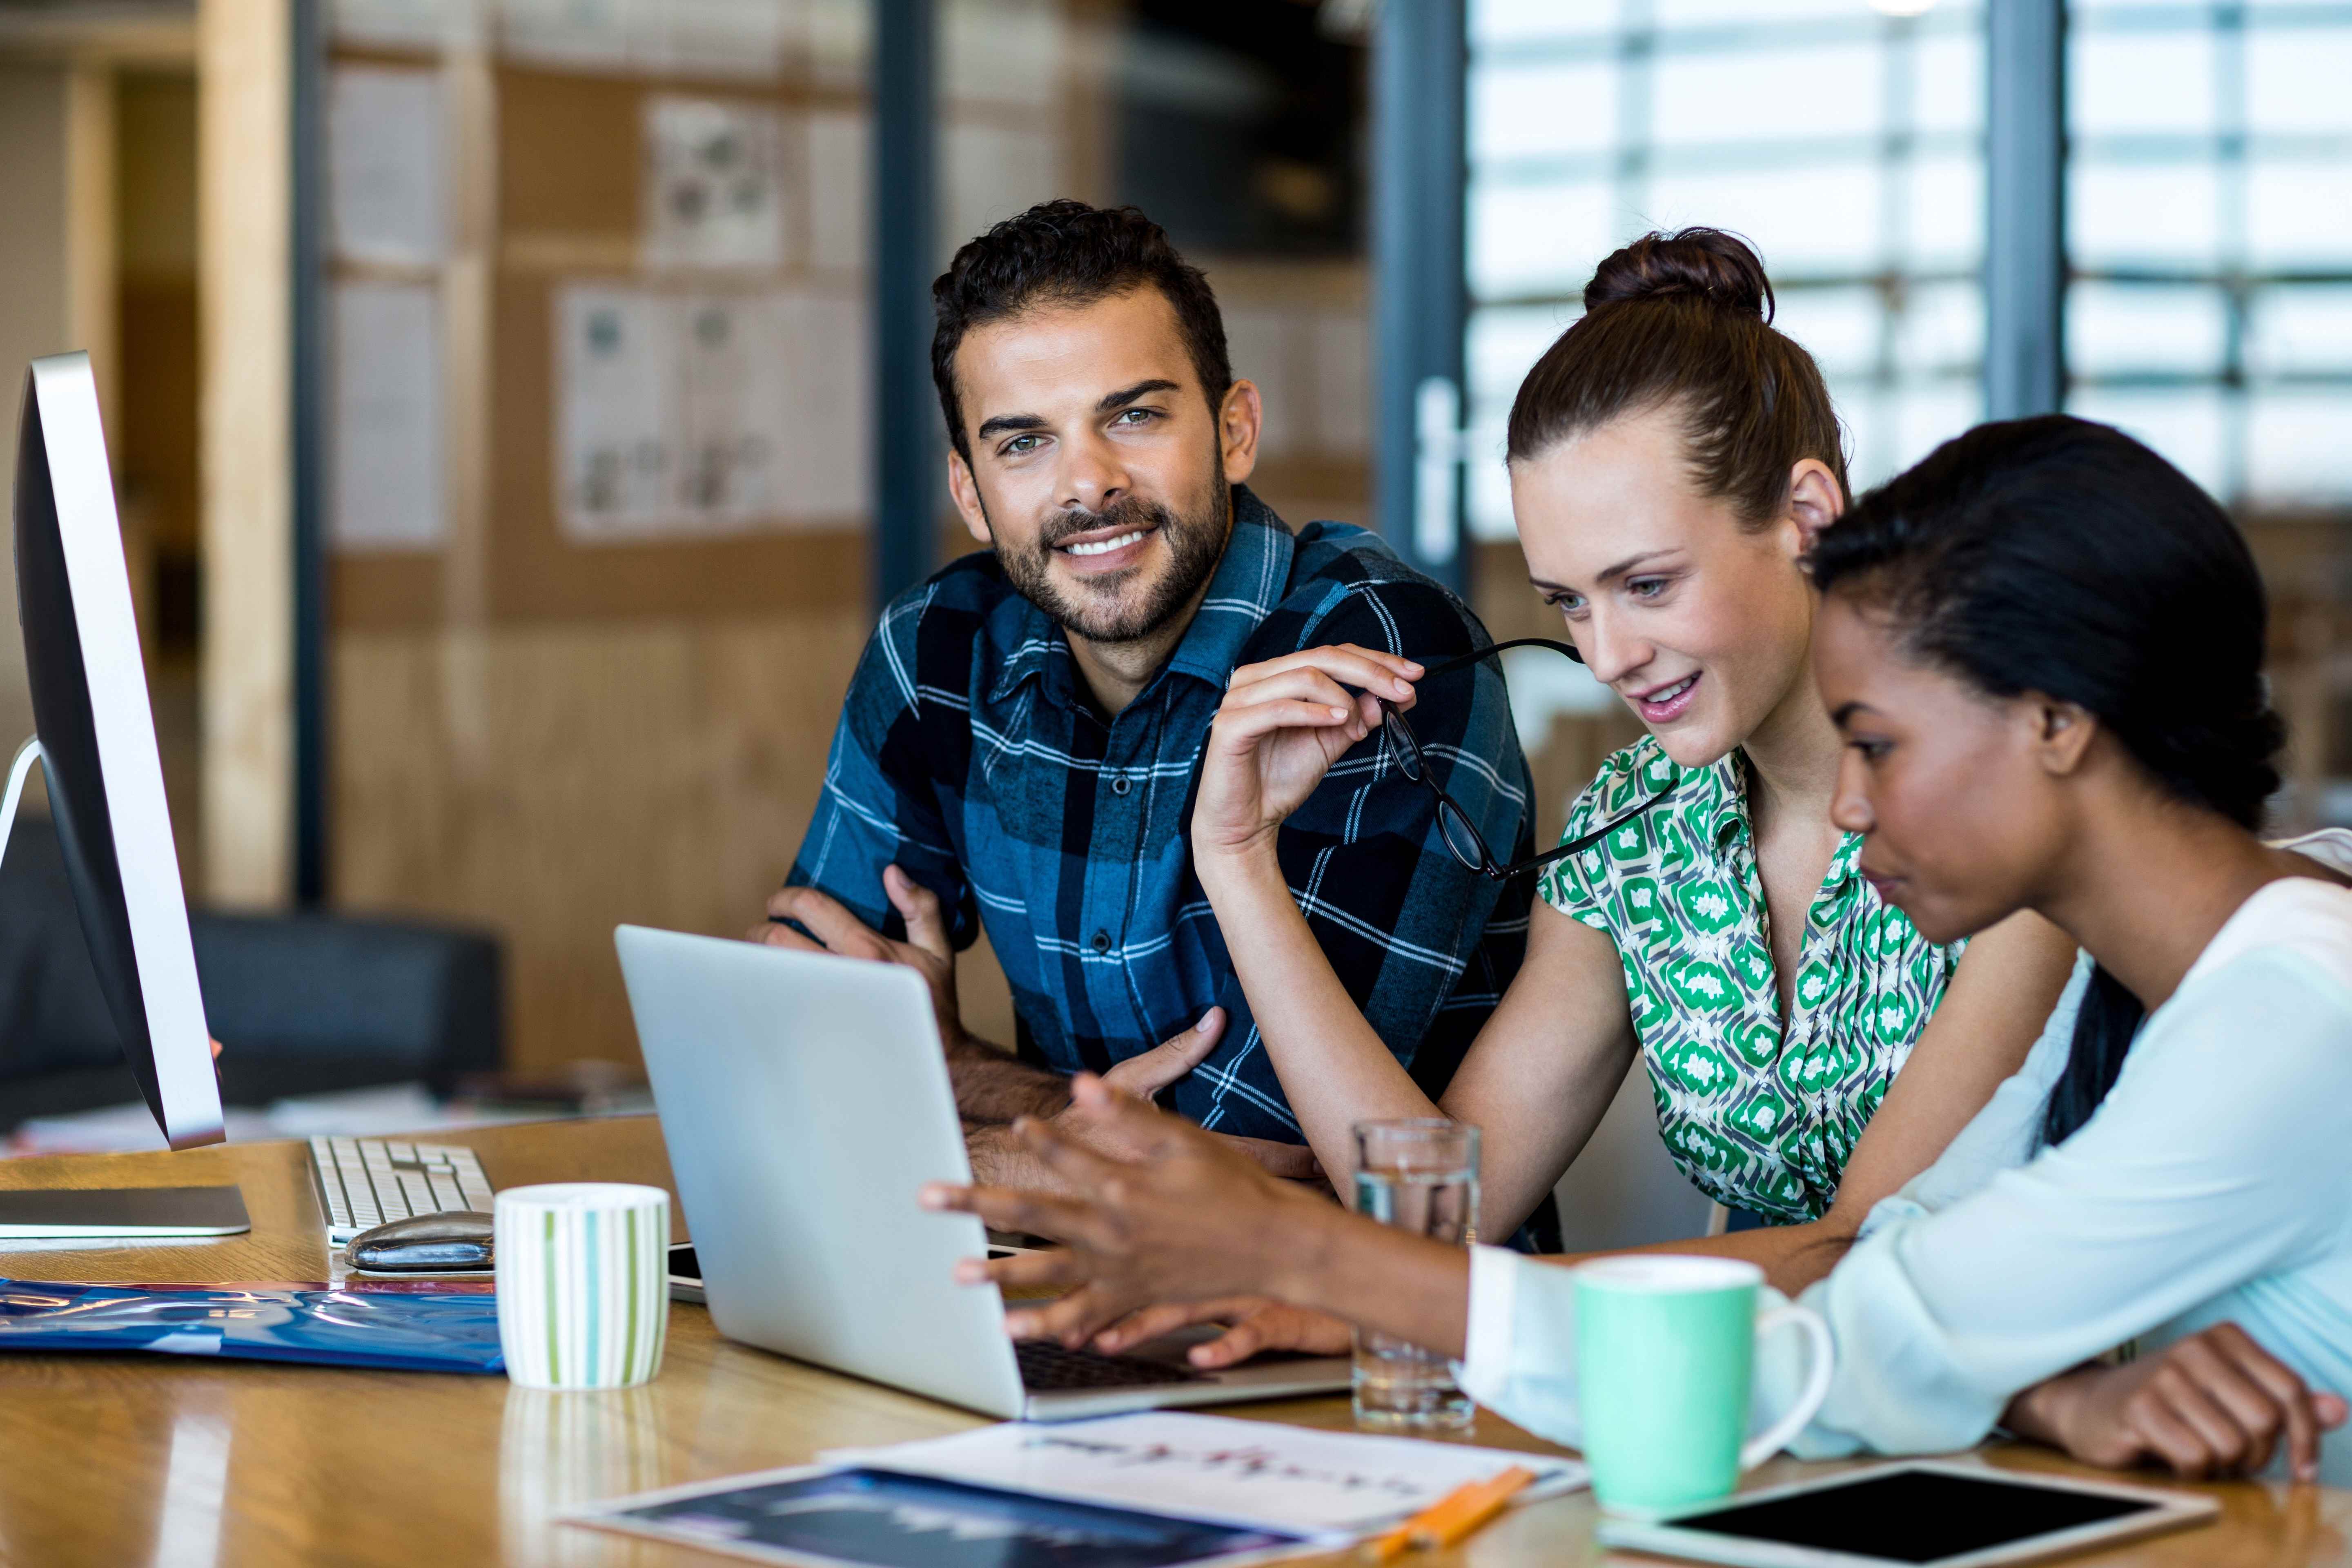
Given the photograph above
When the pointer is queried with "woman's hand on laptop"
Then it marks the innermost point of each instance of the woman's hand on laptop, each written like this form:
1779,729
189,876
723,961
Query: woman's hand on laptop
1183,1217
2214,1404
1253,1324
1282,725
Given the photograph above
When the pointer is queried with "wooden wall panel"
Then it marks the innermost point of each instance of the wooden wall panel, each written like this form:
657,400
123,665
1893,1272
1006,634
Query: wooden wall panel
33,189
651,771
570,154
244,200
91,245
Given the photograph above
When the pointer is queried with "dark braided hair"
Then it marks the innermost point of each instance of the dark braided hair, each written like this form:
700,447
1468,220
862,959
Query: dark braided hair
2059,556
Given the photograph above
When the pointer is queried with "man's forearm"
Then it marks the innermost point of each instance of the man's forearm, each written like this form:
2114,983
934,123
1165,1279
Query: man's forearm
1001,1160
992,1085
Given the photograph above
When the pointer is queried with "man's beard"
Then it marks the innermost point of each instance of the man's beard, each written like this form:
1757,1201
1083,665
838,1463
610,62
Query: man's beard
1195,544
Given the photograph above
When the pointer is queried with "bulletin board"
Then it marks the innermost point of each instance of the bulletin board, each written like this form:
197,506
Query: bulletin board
596,286
656,355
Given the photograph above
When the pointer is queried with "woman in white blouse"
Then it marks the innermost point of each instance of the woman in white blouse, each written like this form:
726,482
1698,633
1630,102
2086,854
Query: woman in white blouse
2044,648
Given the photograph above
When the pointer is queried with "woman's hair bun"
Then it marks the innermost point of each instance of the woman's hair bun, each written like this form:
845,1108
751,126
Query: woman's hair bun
1706,264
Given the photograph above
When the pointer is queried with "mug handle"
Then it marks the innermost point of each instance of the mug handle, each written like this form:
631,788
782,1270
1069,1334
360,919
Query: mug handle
1817,1386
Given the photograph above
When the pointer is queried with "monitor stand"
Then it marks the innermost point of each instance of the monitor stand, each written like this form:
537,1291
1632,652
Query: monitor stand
55,1212
18,771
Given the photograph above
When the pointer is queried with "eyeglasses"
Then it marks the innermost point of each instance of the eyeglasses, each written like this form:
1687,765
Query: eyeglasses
1453,824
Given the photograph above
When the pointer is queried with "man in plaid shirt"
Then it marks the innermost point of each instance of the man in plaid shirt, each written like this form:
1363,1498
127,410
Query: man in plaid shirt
1020,743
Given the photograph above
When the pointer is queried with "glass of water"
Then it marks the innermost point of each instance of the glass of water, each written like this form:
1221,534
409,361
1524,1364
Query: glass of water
1422,1176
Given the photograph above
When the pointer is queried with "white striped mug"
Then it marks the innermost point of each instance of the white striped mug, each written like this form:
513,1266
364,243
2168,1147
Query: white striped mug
583,1283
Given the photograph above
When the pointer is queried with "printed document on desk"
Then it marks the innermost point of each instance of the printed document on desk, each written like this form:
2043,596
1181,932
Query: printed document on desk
1216,1468
815,1517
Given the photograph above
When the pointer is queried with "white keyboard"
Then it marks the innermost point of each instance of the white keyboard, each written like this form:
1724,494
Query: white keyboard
367,1182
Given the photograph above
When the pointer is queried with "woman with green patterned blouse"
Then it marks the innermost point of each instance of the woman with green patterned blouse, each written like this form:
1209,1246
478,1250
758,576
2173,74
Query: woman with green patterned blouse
1671,458
1761,1115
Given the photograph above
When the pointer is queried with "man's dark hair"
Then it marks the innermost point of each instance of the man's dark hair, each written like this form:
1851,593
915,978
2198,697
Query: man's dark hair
1067,253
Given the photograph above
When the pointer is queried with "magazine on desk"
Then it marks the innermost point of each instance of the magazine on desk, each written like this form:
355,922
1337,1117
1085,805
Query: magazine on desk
820,1516
1151,1490
1219,1468
398,1325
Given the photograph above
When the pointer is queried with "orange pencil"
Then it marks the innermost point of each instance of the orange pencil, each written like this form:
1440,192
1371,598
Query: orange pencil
1455,1515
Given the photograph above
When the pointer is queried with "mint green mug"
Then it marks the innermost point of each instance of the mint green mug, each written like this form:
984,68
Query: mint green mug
1665,1353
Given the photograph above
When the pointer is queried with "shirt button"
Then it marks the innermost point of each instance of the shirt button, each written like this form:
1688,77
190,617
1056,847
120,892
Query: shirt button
1102,942
1118,783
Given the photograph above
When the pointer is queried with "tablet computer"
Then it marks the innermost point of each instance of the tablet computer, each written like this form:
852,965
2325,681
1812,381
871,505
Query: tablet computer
685,1273
1922,1515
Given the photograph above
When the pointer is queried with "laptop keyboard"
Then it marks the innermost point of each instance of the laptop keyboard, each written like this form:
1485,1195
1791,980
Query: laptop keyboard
1048,1368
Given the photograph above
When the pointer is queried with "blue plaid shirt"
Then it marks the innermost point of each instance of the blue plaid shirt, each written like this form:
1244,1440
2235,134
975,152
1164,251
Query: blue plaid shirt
970,754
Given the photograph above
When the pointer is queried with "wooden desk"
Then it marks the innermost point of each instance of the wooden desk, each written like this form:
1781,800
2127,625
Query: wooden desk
184,1463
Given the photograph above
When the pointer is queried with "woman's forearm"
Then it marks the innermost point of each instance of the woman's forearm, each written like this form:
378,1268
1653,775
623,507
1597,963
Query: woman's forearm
1793,1257
1380,1278
2039,1413
1335,1068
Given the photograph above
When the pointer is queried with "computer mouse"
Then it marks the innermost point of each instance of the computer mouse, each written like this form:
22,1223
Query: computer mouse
426,1244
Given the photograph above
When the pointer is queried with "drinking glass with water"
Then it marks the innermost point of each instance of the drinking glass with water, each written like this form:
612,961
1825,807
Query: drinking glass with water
1422,1176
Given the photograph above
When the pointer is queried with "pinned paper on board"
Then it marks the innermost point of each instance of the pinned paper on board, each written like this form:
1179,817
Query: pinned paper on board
837,166
1015,53
989,173
383,152
738,38
386,461
713,190
731,367
700,416
570,35
406,24
613,424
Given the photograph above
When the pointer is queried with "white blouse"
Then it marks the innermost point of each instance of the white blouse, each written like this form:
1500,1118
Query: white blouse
2214,1184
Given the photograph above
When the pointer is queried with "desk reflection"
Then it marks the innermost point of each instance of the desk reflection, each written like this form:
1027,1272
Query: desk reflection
557,1451
2295,1522
196,1488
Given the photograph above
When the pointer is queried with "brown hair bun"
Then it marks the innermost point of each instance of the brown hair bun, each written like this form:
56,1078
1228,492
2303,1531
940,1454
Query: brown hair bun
1694,263
1752,401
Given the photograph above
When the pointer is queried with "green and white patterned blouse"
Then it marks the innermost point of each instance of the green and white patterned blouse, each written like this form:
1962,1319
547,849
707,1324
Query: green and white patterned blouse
1758,1116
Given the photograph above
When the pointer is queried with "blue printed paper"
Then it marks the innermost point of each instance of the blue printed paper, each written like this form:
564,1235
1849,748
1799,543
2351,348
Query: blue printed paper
817,1518
403,1330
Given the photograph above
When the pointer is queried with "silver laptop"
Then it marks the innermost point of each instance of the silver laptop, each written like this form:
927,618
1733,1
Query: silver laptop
804,1097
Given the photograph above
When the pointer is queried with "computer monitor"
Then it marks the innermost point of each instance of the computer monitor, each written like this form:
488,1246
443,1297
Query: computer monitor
95,738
